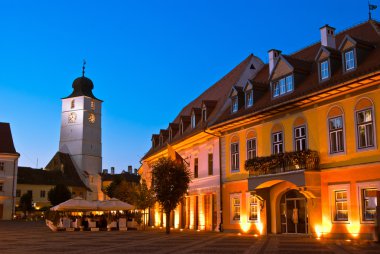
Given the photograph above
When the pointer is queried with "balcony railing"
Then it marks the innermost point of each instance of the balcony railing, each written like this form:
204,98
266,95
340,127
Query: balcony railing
283,162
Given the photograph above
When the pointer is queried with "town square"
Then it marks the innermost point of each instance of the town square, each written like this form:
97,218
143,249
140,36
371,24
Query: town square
190,127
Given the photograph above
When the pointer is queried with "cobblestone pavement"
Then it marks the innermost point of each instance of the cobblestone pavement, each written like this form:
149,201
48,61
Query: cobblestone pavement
35,237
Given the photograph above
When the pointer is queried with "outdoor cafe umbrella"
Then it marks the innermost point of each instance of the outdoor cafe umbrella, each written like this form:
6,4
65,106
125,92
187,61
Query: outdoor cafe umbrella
75,204
113,204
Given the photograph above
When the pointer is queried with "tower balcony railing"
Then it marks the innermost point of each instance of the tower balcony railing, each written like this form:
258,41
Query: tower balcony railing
284,162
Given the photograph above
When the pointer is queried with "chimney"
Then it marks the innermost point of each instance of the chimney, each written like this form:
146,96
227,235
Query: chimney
105,171
273,55
112,170
328,36
130,169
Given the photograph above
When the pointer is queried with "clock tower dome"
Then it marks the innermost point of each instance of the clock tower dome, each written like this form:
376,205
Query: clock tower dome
81,134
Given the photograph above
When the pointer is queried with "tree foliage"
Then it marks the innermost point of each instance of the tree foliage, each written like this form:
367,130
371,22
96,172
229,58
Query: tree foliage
60,193
170,183
26,203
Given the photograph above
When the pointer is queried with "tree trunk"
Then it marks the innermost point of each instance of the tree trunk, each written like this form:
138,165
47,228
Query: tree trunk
167,222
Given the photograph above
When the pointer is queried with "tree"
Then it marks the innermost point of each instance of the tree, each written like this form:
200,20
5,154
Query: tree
60,193
170,183
26,203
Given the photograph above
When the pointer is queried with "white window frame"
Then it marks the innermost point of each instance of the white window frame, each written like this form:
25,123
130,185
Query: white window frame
251,149
332,190
325,70
360,187
234,196
372,122
277,143
193,120
204,114
283,86
235,104
335,132
276,90
249,98
235,167
249,204
349,57
299,138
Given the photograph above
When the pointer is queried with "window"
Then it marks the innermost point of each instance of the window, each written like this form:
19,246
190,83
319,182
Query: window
300,138
92,104
251,148
235,105
283,86
1,187
193,122
195,167
369,203
210,164
341,205
72,103
42,194
324,67
18,193
364,122
249,98
235,156
336,134
349,58
204,114
2,166
236,208
253,208
277,143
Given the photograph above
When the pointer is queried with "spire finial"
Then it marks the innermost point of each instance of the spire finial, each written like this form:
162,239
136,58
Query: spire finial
83,67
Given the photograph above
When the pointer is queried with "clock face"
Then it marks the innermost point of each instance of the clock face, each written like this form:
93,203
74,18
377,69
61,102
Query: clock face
72,117
91,118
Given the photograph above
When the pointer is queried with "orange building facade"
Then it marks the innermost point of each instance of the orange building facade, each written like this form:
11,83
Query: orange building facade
298,140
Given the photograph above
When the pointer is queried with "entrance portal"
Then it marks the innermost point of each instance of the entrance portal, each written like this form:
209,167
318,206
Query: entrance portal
293,210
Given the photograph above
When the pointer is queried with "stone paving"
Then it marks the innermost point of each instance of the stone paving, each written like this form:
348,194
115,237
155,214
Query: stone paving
35,237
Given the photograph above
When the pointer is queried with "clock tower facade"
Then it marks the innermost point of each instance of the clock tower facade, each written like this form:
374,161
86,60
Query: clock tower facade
81,134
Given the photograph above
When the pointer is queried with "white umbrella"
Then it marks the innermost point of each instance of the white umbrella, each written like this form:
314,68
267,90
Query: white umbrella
113,204
75,204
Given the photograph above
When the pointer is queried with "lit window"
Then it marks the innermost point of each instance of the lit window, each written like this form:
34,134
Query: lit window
364,122
253,208
300,138
341,206
349,60
193,122
251,148
283,86
235,156
249,98
195,167
236,208
92,104
210,164
72,103
336,135
324,70
2,166
369,203
42,194
277,143
235,105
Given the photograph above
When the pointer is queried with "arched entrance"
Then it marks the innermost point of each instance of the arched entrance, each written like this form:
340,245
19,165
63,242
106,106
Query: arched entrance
293,212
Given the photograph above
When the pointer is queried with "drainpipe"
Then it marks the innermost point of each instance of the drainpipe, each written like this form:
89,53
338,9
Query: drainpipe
220,178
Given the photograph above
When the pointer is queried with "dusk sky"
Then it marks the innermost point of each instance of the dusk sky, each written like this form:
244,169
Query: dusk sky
147,60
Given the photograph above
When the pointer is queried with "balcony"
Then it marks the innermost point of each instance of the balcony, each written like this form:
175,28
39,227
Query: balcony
285,162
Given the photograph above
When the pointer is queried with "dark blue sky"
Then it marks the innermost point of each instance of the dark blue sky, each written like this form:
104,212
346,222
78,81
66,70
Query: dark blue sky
147,60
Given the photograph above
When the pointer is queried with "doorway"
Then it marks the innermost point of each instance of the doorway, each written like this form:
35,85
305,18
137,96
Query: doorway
294,218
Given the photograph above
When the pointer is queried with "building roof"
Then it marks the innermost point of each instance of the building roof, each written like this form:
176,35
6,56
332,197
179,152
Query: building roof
60,170
368,32
217,93
82,87
6,140
124,175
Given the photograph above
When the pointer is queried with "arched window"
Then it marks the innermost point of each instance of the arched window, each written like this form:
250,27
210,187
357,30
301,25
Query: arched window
251,145
235,154
300,134
277,139
364,124
336,130
72,103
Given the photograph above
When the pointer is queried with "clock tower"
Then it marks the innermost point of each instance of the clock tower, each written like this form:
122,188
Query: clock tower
81,134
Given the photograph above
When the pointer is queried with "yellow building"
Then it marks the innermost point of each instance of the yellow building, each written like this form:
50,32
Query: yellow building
300,154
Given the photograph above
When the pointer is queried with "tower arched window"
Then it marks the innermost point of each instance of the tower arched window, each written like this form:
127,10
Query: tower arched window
72,103
92,104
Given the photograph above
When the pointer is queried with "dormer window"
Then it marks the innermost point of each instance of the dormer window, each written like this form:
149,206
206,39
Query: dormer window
283,86
349,59
235,104
324,67
204,114
193,122
181,127
249,98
